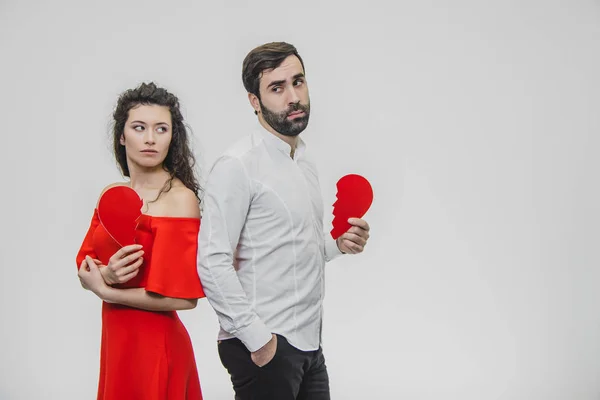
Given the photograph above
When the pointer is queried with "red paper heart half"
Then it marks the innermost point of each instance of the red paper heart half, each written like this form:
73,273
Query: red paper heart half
118,210
354,197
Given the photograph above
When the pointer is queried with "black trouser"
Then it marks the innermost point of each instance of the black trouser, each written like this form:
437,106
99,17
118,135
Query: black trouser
292,374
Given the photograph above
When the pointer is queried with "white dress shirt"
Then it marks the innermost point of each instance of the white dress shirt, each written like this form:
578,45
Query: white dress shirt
262,249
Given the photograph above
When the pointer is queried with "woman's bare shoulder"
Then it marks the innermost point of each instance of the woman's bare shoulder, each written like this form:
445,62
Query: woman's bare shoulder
181,202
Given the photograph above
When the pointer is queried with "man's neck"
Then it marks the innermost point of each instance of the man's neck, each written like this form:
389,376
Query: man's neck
291,140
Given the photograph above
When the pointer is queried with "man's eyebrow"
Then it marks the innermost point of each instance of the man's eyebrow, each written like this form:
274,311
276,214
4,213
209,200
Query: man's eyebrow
282,81
276,83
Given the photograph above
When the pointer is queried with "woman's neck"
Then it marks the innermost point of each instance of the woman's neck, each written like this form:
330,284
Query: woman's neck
146,180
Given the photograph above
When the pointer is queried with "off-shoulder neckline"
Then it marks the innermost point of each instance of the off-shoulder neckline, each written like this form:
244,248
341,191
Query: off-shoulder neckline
163,217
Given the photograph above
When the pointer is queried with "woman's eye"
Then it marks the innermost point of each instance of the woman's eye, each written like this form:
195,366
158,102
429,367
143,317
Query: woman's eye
162,129
138,128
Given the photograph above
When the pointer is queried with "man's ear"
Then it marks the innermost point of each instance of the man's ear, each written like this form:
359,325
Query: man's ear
254,102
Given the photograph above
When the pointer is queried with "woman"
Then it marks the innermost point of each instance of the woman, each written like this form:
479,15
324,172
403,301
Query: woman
146,352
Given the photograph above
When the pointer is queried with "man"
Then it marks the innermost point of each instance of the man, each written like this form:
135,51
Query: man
262,250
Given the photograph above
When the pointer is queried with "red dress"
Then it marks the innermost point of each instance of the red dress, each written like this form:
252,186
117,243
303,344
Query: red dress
148,355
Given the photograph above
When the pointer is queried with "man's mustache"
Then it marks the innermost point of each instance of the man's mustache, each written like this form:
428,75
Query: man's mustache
297,107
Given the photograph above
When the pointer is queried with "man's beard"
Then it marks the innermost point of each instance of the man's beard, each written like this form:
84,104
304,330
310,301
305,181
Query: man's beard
281,123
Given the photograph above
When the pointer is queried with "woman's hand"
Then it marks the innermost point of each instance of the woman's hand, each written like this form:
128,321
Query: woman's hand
123,265
90,277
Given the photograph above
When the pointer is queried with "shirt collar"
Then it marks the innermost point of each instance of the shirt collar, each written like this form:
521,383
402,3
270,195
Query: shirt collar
280,144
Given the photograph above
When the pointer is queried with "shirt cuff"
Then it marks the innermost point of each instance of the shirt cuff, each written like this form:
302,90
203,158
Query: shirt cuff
332,250
255,335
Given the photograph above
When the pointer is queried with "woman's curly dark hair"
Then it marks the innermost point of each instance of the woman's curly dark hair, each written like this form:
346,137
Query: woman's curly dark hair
180,160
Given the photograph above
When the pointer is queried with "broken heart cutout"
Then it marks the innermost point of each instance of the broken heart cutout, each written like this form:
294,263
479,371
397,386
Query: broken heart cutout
118,210
354,197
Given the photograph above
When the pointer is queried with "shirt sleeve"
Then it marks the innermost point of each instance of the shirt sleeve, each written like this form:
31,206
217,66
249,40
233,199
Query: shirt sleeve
87,247
227,198
332,251
172,268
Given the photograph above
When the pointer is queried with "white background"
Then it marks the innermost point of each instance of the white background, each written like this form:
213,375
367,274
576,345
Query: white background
476,122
